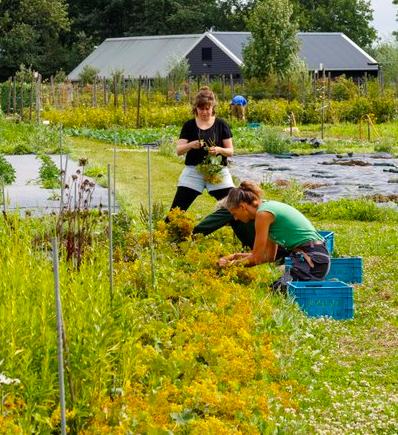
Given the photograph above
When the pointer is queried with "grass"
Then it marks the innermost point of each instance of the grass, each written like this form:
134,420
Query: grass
338,138
349,368
203,351
132,175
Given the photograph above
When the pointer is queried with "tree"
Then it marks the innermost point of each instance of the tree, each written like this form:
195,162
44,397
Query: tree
386,53
273,47
29,34
351,17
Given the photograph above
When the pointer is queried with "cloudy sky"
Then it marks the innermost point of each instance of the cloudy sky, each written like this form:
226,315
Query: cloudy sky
384,17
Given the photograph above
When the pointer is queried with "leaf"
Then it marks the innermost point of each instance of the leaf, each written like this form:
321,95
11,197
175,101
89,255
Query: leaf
182,418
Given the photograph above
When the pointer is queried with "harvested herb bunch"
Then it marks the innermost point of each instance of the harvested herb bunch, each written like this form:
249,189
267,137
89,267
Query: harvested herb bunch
211,165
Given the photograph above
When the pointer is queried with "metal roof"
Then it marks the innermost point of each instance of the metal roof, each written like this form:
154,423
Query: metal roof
335,51
151,55
137,56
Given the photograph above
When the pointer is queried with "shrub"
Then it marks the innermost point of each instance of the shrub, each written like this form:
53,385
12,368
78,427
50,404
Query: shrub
49,176
88,75
7,171
274,142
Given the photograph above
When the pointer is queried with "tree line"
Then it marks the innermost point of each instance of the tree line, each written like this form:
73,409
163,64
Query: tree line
50,36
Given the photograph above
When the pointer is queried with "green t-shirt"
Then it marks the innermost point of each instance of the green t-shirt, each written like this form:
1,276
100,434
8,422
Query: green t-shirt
290,227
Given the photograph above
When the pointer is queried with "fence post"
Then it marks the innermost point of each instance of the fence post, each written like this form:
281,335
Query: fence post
124,95
105,93
32,81
52,90
189,90
146,84
38,96
115,99
138,101
14,95
9,95
21,96
95,92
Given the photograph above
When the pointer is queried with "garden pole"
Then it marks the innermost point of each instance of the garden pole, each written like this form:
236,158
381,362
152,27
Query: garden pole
61,201
150,215
114,171
329,96
59,336
110,234
138,102
4,195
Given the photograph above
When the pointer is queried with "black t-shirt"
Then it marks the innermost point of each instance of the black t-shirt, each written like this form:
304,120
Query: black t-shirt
213,136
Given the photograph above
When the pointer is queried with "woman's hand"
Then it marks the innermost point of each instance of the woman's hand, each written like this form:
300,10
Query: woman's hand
223,263
226,261
215,150
183,146
196,144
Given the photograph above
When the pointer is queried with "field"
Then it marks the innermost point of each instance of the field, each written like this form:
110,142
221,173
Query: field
195,350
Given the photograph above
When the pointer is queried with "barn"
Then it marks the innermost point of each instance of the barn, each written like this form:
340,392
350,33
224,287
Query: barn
219,53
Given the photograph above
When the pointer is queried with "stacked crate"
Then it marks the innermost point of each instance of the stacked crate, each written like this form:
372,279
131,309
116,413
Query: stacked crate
334,296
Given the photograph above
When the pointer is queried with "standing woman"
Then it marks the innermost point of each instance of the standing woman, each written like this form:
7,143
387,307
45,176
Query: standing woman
277,224
203,135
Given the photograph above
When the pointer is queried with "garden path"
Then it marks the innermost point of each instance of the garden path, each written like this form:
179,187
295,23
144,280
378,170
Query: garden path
26,194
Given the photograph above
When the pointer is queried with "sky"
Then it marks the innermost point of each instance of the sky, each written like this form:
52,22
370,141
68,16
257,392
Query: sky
384,17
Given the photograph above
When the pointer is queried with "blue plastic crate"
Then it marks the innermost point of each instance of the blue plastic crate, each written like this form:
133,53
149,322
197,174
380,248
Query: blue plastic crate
329,239
324,298
347,269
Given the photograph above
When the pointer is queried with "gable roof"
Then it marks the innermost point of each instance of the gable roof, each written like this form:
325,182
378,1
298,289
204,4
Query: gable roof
142,55
150,56
336,51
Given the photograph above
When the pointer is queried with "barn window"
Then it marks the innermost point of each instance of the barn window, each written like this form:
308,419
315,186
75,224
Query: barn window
207,54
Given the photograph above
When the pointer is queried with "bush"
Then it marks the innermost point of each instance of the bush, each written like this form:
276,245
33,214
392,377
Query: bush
274,142
7,171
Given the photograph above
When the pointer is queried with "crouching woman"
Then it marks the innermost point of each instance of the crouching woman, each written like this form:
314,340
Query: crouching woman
277,224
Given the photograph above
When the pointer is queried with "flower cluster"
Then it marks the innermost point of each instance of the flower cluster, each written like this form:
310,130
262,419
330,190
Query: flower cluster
200,366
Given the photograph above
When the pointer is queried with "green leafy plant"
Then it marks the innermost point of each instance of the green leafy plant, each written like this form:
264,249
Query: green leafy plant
211,166
88,75
274,142
158,213
7,171
49,176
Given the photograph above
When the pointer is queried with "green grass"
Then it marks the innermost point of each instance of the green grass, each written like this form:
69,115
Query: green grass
349,368
325,376
338,138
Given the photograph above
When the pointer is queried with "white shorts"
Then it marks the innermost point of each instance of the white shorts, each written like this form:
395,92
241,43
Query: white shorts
193,179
